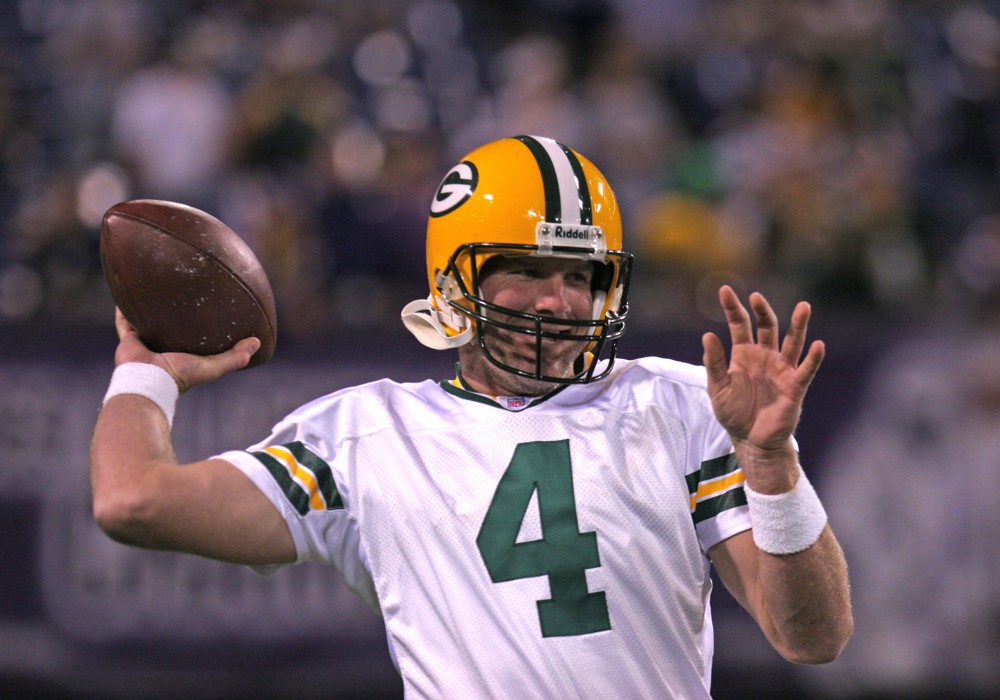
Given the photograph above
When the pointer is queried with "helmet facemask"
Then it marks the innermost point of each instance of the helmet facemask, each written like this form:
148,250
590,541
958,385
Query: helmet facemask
598,335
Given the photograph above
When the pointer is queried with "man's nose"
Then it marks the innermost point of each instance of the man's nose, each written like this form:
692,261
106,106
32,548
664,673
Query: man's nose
551,297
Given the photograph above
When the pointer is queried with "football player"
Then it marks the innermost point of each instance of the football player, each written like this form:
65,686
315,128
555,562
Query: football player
542,524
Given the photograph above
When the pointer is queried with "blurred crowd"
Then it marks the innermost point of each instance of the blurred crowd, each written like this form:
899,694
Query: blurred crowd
842,151
838,150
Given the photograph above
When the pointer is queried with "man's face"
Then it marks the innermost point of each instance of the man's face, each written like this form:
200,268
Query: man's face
554,288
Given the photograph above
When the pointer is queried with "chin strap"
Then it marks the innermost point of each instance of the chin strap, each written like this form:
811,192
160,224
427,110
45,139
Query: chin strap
434,327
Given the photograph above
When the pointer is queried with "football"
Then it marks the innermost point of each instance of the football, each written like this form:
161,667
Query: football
185,280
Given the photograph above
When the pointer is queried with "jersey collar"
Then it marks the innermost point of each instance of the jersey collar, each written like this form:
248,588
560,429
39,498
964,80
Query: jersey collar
460,388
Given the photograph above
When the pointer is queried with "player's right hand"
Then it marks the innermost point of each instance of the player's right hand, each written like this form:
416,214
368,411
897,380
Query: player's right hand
187,370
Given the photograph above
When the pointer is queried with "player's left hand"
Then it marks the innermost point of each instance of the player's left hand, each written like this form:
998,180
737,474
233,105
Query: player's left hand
758,396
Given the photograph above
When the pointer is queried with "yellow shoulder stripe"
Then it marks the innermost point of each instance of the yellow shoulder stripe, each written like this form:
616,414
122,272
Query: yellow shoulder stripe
708,489
300,473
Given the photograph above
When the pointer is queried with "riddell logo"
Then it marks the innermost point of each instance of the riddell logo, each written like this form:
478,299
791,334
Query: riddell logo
582,234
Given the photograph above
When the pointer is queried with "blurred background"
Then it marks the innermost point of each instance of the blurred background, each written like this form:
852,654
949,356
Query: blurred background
842,151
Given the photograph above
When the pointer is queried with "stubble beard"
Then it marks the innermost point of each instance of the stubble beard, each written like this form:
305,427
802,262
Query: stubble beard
556,362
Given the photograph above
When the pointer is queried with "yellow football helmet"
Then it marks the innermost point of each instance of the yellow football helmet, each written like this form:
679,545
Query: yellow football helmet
524,195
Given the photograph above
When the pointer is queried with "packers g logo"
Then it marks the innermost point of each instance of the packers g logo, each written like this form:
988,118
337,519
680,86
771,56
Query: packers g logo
456,187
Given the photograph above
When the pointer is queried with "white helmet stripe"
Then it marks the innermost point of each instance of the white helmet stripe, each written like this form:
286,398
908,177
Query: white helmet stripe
563,198
569,193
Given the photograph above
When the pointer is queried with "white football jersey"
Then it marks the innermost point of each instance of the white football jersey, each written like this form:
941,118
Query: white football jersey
520,548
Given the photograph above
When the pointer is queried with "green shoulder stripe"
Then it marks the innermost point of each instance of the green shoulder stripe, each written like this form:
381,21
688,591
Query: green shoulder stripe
295,494
304,477
716,487
718,467
321,470
709,508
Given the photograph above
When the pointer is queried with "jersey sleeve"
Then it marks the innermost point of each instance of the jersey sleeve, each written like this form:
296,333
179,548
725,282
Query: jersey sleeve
309,493
714,477
718,499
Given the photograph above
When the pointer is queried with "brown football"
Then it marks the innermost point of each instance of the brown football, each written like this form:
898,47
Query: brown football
185,280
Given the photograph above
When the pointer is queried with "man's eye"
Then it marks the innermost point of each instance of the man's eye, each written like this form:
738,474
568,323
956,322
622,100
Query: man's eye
578,280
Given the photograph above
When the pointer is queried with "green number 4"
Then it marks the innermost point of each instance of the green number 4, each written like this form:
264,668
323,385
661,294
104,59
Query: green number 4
563,554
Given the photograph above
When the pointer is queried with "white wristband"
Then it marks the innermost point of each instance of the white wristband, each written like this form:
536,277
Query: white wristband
142,379
786,523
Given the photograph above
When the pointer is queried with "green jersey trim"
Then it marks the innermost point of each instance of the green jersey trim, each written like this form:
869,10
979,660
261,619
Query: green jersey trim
716,487
460,388
304,477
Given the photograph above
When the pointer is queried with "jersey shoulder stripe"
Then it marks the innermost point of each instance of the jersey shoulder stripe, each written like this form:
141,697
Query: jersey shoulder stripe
304,478
716,487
